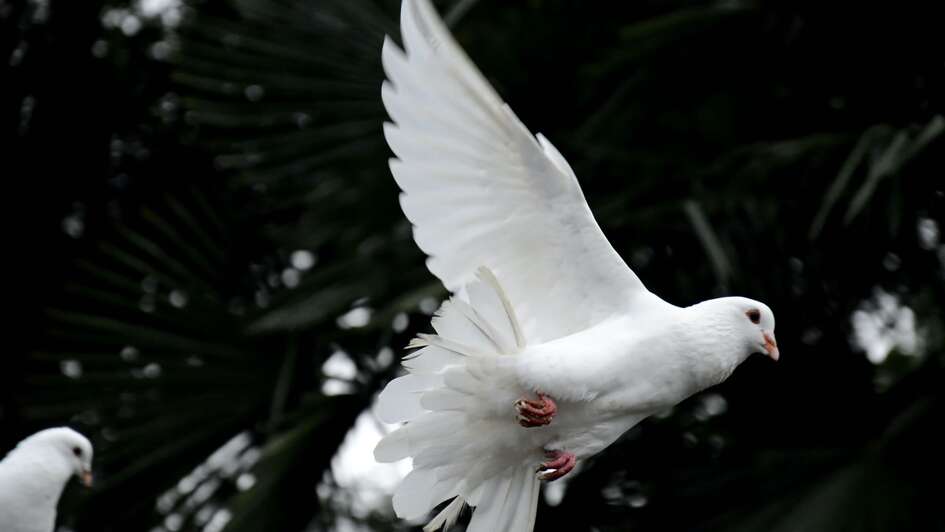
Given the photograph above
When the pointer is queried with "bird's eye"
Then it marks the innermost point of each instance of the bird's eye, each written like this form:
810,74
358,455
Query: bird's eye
754,315
77,451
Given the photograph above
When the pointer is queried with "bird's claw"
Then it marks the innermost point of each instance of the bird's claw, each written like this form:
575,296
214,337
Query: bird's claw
532,413
559,464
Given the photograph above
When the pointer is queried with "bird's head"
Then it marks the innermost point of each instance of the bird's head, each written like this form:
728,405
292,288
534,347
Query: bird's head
754,322
72,448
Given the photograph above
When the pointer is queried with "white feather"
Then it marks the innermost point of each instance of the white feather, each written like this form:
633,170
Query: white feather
445,399
481,190
413,497
409,439
490,513
463,324
458,431
400,400
447,517
488,202
33,475
431,359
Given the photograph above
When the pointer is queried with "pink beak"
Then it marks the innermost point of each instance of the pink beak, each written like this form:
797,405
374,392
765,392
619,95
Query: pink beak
86,478
771,346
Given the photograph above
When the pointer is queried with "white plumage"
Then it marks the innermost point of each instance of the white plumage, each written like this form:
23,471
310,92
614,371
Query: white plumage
543,303
33,475
481,190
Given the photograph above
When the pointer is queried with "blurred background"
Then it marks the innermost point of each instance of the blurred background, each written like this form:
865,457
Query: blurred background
209,273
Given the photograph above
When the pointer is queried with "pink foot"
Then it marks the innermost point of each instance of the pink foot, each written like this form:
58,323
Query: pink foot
535,413
559,464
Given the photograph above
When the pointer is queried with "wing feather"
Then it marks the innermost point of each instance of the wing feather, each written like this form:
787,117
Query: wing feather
481,190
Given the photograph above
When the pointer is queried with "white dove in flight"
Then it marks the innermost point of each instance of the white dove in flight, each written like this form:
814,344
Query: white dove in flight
551,347
33,475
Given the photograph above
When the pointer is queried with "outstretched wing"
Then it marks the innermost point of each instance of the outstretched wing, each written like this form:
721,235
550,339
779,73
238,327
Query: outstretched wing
480,190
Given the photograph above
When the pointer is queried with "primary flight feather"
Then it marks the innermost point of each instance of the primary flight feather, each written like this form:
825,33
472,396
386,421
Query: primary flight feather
551,347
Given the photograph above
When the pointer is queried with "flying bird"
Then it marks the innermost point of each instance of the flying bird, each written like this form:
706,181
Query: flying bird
33,475
550,347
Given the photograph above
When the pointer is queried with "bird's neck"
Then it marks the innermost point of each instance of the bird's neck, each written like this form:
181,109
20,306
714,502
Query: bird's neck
39,475
714,343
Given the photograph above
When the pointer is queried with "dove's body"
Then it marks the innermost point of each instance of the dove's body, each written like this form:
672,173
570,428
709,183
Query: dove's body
458,396
33,475
555,312
608,378
29,492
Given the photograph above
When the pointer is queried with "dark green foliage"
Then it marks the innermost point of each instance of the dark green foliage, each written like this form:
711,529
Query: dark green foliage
790,153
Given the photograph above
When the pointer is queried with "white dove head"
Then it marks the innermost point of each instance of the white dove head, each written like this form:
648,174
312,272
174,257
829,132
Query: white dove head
755,323
66,446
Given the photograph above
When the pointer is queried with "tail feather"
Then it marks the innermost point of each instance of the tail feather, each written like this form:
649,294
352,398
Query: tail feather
497,309
461,380
512,506
456,319
412,498
447,517
524,518
456,401
400,400
431,359
412,438
491,512
445,399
